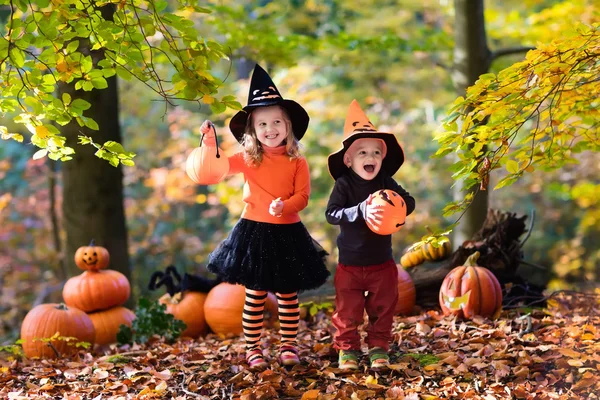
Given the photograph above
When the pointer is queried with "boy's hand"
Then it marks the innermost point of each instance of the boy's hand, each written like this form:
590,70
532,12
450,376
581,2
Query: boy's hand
208,130
276,207
373,213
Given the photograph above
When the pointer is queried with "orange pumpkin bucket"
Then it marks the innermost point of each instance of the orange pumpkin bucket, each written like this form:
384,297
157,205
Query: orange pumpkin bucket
206,165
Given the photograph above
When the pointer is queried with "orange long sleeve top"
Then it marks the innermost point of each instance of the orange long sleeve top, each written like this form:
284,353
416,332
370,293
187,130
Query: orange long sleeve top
276,176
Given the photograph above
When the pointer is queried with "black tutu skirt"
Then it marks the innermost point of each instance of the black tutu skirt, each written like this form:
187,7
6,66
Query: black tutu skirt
280,258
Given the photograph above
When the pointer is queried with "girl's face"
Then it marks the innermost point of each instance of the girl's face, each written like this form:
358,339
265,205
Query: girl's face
365,157
270,125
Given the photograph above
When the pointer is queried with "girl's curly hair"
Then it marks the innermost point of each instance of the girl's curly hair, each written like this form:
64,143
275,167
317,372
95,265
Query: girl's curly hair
253,150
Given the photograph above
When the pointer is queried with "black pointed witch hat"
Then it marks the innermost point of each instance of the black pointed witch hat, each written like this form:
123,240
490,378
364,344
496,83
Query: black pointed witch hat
263,93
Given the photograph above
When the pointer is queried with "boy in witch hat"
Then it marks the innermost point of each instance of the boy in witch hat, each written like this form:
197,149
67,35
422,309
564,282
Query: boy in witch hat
366,163
269,249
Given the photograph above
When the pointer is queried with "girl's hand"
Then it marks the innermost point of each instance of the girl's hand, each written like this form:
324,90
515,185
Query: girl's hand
276,207
208,130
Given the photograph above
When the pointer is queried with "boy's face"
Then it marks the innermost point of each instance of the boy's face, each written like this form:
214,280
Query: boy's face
365,157
270,125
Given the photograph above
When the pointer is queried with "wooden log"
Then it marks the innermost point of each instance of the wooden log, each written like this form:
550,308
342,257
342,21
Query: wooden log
499,245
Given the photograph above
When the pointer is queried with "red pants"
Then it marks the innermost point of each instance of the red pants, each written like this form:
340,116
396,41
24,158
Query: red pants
351,283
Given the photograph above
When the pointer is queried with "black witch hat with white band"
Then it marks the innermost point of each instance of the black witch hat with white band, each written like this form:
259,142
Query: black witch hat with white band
264,93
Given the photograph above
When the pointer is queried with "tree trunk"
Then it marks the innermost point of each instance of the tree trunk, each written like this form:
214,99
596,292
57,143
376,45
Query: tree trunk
472,58
92,188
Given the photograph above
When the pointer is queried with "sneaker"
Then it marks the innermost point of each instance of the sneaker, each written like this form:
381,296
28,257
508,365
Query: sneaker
379,358
288,356
255,360
348,359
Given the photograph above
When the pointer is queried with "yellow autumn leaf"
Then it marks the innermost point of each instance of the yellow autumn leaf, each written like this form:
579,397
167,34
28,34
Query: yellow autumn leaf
310,395
569,353
201,199
41,131
371,380
575,363
208,99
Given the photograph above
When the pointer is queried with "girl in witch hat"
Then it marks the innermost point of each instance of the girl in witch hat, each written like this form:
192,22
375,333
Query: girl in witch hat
269,249
365,164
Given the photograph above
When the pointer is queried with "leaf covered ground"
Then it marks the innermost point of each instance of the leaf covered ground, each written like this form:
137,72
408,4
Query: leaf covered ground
550,353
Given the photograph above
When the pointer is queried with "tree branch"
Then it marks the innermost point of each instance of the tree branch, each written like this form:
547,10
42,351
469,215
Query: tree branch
510,50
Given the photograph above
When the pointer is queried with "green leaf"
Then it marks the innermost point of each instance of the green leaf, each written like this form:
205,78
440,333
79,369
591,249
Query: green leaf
17,57
81,104
72,47
151,319
512,166
90,123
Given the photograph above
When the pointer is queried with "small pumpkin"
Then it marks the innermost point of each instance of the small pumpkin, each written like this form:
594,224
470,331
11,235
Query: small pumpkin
108,322
185,305
432,253
470,290
92,257
46,320
96,290
207,165
224,306
412,258
407,294
394,212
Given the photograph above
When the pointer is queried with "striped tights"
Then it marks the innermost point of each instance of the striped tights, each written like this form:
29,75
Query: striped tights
252,318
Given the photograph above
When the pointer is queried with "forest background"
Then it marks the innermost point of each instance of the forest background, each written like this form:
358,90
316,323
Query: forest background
394,57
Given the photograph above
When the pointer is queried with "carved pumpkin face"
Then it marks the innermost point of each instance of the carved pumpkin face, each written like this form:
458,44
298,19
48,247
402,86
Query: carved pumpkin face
92,257
470,290
456,303
394,212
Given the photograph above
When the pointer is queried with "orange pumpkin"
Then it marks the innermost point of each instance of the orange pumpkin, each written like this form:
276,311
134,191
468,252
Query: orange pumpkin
185,305
224,306
394,212
96,290
46,320
188,307
407,295
207,165
471,290
92,257
107,323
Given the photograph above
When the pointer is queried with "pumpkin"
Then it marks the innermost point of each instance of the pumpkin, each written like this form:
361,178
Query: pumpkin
188,307
470,290
46,320
224,306
107,323
185,305
394,212
432,253
92,257
206,165
407,295
96,290
412,258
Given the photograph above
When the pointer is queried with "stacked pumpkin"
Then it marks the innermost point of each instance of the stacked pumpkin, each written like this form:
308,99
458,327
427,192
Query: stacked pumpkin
100,292
426,252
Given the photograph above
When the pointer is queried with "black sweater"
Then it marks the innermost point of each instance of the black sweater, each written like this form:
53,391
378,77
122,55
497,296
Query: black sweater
357,244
